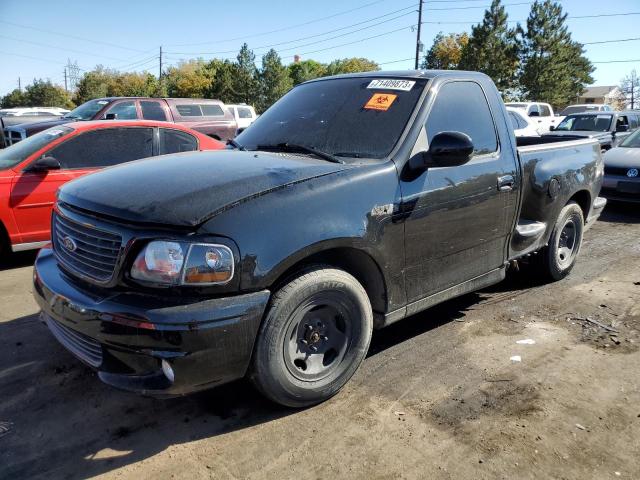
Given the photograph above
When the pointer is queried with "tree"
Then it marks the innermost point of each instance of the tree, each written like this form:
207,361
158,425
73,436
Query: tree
223,82
306,70
446,51
493,49
13,99
133,85
630,88
94,84
351,65
42,93
554,68
274,80
246,83
190,79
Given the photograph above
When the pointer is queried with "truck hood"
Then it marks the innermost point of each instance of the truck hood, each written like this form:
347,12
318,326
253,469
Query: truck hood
35,127
189,188
623,157
580,134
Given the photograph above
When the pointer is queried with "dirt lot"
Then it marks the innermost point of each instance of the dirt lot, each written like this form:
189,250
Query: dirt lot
438,396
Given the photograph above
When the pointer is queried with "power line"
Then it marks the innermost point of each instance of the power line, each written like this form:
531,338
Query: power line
612,41
478,6
618,61
58,48
99,42
318,34
282,29
305,38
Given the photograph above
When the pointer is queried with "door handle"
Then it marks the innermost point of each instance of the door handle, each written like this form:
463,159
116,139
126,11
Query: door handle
506,183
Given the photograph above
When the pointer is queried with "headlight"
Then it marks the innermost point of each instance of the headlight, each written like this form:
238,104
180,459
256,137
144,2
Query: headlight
183,263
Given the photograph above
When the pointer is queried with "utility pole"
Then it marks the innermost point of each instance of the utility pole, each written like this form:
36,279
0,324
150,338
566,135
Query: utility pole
418,43
19,84
160,70
65,79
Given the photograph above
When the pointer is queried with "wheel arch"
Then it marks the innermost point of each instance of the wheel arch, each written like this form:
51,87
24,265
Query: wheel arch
583,199
352,259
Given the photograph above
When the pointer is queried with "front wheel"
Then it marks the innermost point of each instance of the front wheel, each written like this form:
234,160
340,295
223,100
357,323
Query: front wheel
559,257
314,337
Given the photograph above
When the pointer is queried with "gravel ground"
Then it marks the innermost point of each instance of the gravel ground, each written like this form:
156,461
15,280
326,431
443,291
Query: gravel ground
437,397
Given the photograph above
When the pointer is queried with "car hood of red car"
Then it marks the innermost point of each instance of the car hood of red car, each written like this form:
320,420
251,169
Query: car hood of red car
189,188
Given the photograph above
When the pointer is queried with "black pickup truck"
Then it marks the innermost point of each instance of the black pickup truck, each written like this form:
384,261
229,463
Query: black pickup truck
353,202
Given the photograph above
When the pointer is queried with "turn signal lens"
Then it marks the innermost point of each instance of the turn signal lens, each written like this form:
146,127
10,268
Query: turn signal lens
208,264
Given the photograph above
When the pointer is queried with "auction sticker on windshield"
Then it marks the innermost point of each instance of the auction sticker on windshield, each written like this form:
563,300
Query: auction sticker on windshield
391,84
380,101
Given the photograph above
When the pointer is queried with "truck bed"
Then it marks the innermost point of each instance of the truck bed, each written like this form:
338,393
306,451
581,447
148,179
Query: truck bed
545,191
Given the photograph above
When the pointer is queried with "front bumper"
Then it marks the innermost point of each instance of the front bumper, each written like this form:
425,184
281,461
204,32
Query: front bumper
596,209
621,188
126,335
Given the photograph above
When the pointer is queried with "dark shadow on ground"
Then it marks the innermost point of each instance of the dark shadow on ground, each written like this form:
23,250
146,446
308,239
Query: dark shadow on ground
621,212
11,260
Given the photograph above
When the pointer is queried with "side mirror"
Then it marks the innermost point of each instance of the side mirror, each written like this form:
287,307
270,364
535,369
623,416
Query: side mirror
111,116
534,114
552,128
622,128
447,149
44,164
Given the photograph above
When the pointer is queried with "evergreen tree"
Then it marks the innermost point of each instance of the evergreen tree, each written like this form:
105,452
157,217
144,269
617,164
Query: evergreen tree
13,99
446,51
94,84
246,83
274,80
493,48
554,68
223,84
351,65
306,70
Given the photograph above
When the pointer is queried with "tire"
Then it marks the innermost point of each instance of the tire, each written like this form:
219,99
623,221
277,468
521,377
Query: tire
559,257
314,337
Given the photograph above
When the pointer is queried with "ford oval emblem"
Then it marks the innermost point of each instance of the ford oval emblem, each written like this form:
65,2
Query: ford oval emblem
632,173
69,244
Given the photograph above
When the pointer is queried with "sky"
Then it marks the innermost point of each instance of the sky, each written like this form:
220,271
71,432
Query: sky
38,38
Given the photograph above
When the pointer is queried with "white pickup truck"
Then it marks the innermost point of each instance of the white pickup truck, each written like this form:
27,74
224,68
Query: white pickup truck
541,114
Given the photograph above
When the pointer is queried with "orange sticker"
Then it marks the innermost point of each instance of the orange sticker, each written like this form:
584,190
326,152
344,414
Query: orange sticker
380,101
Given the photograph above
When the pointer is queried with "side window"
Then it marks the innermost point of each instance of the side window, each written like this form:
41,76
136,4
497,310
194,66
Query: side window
514,121
124,110
633,121
533,109
152,110
462,107
622,120
189,110
175,141
212,110
103,148
545,111
244,113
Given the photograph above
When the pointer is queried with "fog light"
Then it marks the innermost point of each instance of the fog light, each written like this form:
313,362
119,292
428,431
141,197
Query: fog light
168,371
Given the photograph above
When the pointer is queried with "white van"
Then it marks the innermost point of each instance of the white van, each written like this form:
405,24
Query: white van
244,114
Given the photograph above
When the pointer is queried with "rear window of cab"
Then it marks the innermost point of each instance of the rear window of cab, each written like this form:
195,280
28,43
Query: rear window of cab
200,110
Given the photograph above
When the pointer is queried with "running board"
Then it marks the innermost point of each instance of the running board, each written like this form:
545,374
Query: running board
530,230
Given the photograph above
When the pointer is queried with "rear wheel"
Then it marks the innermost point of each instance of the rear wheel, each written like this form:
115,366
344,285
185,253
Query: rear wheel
315,335
559,257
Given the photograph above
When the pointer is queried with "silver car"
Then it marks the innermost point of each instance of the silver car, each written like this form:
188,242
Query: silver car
622,170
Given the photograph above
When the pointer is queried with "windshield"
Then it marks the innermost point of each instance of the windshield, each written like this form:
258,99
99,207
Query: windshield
87,110
586,123
632,141
346,117
19,152
579,108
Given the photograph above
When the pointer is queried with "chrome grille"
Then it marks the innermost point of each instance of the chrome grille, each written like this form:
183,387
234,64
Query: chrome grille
616,170
85,348
84,249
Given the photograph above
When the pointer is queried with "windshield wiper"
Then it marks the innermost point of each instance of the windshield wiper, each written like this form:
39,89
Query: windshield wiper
293,147
235,144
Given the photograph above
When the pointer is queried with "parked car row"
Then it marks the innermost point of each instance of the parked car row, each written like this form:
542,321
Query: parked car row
210,117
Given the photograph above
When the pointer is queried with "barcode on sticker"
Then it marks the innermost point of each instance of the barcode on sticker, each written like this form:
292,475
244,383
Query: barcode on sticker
391,84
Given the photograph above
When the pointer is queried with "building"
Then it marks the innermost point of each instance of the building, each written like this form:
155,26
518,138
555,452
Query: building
607,95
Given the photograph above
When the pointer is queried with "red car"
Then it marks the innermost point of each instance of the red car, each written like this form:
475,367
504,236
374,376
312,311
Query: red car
32,170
